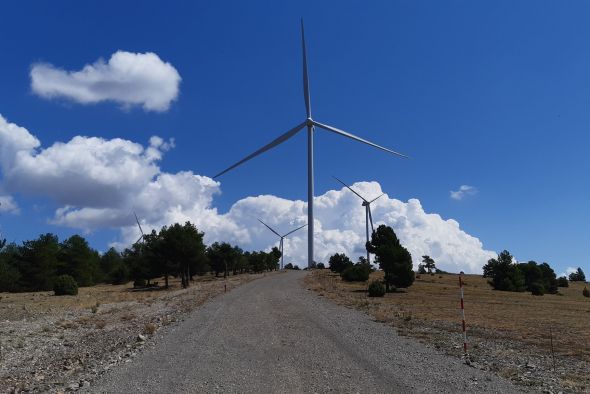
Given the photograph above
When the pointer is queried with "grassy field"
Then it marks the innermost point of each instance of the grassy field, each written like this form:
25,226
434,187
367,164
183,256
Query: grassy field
431,307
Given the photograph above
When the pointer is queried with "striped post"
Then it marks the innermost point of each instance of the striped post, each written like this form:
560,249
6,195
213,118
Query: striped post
463,314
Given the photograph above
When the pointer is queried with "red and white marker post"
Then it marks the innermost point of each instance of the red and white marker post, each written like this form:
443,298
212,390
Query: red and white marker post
463,315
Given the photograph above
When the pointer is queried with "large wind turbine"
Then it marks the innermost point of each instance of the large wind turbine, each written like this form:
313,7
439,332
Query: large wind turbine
368,216
310,123
281,237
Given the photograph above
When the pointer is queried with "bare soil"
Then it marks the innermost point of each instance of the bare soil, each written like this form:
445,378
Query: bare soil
56,344
511,334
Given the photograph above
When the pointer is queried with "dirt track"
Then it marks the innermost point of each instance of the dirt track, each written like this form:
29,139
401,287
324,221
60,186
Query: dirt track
273,335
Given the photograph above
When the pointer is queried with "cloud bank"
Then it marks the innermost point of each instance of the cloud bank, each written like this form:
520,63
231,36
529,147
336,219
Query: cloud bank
127,78
99,183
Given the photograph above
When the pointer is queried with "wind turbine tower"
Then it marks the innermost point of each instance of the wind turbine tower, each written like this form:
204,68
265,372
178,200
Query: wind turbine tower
310,124
368,216
282,237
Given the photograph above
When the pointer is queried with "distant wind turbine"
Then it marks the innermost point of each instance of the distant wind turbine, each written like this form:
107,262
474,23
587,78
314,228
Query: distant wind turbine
310,124
281,237
368,216
142,237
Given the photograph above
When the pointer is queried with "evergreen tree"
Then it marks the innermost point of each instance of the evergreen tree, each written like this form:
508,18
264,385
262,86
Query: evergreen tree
504,274
339,262
39,263
577,276
79,261
393,258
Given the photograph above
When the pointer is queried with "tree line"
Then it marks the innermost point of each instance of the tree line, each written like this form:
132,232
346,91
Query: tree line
507,275
175,251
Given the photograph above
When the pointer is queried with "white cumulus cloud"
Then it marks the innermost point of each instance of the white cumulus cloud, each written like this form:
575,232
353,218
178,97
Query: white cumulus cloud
127,78
100,183
464,191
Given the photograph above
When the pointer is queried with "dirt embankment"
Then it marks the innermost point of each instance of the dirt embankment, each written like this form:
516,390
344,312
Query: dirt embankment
53,344
510,334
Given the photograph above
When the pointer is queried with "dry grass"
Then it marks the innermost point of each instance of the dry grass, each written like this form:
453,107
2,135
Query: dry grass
434,300
15,306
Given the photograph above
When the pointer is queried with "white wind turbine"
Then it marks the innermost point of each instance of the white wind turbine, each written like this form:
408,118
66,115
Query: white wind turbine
310,123
368,216
142,237
282,237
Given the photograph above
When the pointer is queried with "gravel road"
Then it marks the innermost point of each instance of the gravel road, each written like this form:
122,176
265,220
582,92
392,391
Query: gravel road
274,336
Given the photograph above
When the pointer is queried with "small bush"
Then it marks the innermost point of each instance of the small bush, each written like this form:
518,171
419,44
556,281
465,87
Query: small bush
376,289
289,266
65,285
537,289
296,267
562,282
137,283
320,266
586,292
356,273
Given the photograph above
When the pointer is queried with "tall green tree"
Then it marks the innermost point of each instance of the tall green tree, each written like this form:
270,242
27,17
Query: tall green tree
504,274
10,276
221,257
181,251
393,258
539,277
113,268
272,259
339,262
39,263
577,276
79,261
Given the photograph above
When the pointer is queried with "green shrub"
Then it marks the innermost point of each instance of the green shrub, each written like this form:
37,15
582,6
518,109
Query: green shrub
65,285
537,289
586,292
320,266
356,273
296,267
376,289
562,282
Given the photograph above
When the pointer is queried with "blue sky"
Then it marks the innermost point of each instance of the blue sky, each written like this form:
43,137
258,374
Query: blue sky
487,94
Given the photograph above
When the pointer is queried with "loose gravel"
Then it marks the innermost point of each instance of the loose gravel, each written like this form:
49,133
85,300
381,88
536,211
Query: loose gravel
273,335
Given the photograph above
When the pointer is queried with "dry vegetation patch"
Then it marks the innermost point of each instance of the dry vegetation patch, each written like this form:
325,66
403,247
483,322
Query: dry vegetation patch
49,343
509,333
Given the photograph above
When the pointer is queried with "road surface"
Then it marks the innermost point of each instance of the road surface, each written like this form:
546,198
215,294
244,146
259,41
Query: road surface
273,335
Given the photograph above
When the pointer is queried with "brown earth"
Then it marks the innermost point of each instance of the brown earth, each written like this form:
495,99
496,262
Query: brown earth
509,333
54,344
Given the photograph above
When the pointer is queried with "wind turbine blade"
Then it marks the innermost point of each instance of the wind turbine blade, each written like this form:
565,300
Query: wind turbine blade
375,199
371,218
137,220
274,143
306,94
270,228
349,188
298,228
354,137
